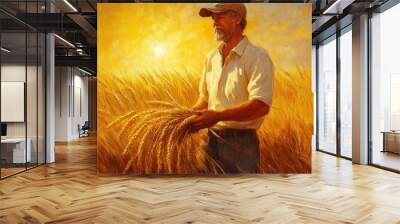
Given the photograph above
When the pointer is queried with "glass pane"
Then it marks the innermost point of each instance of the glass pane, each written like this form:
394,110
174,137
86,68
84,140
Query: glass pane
31,97
386,89
41,98
14,153
346,94
327,96
32,85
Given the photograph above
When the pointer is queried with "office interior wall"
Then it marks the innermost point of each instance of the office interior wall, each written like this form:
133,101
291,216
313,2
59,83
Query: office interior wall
15,72
92,103
71,102
62,113
81,104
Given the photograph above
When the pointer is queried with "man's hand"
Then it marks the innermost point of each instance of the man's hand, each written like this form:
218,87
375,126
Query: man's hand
204,119
246,111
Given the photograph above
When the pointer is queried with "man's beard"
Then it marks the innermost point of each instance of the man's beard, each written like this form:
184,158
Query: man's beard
221,35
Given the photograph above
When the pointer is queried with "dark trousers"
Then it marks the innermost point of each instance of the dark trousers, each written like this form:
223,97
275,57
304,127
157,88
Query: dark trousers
235,150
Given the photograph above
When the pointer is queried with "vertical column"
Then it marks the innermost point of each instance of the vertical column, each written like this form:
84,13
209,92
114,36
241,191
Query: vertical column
360,89
50,92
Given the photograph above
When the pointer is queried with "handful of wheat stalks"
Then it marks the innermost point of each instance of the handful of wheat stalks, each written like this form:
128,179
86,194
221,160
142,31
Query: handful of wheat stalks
160,140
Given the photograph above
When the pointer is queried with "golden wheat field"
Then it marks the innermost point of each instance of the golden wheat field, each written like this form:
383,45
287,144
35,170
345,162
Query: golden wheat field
144,119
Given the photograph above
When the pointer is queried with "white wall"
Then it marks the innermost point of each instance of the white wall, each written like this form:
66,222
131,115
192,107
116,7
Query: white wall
62,81
71,102
81,102
12,73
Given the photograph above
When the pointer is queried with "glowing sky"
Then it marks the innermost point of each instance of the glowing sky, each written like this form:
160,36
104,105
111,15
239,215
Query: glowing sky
146,37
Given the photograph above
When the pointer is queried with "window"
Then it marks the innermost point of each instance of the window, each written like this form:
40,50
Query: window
385,89
327,96
346,93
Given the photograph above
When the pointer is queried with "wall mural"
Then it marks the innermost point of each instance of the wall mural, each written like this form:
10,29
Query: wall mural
187,88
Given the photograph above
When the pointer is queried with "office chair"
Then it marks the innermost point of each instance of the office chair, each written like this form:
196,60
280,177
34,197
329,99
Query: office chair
84,130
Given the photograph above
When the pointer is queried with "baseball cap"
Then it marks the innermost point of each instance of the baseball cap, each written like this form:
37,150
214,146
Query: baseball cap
223,7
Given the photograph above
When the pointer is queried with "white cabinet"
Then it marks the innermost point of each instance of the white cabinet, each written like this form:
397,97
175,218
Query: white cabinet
17,147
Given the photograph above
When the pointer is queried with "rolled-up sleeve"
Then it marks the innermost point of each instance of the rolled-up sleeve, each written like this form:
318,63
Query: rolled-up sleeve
203,93
261,80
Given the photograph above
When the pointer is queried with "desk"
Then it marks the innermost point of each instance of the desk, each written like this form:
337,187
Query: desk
391,141
13,150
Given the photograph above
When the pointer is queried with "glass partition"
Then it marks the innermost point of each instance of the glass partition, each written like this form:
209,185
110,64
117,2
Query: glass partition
41,107
346,93
14,153
32,96
22,88
385,89
327,95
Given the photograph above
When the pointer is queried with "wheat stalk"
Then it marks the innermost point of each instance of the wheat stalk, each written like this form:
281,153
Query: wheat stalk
160,139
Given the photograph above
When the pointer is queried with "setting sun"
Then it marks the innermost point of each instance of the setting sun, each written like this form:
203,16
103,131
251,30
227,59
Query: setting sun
159,50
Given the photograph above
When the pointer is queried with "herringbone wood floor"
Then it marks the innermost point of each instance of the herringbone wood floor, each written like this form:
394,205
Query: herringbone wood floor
70,191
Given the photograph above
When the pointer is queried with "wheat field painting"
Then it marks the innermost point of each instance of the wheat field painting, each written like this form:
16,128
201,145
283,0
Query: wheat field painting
150,60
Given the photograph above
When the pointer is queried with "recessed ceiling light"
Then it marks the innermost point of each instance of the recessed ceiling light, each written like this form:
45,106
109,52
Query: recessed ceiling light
5,50
84,71
337,7
64,40
70,5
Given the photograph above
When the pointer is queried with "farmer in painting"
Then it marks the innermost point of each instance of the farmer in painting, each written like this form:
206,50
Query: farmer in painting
235,91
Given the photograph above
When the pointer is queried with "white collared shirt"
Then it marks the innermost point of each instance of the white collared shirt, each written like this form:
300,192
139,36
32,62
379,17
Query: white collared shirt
248,74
